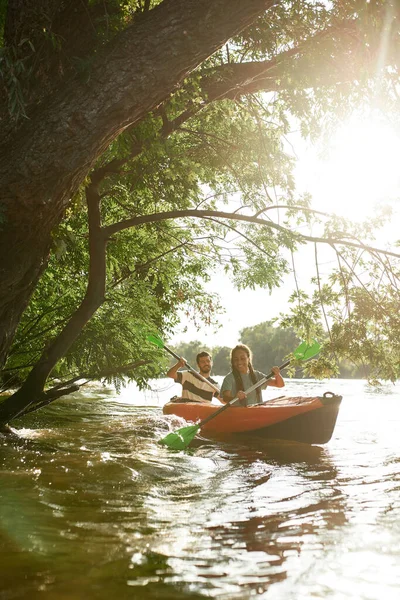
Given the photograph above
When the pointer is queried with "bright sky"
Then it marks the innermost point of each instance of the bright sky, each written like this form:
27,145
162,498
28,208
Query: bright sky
359,170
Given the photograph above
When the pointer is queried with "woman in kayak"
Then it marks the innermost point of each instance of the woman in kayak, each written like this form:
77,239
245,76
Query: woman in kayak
244,376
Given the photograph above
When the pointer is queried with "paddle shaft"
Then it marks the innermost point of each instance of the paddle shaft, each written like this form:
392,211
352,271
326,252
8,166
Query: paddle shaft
191,369
250,389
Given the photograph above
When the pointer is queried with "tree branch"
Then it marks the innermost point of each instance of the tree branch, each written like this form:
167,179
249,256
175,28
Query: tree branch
204,214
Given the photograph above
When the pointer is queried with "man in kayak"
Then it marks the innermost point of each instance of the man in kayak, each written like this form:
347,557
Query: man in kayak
194,388
243,376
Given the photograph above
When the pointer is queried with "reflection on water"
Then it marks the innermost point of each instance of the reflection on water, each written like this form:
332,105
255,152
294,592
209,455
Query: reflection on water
92,507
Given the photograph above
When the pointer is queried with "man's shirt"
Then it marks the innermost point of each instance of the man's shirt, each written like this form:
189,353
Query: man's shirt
195,389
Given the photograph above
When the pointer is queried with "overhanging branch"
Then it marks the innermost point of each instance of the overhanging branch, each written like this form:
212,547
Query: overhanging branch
214,214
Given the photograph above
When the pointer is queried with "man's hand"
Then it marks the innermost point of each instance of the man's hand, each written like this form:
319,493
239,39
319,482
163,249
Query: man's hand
181,362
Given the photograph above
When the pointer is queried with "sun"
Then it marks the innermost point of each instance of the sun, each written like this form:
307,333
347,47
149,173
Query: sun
356,172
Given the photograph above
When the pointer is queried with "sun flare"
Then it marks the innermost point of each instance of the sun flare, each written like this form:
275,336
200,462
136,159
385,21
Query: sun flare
357,172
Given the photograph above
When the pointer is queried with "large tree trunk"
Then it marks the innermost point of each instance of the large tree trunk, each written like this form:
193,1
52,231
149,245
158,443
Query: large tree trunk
59,144
32,388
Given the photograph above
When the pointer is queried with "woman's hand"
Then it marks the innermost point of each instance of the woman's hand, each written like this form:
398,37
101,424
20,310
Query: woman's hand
277,381
241,395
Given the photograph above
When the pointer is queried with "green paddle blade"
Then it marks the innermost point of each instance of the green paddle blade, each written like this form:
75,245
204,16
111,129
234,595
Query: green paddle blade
306,351
180,439
155,339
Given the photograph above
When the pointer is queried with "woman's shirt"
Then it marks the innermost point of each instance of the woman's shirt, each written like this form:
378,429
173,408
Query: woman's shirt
229,384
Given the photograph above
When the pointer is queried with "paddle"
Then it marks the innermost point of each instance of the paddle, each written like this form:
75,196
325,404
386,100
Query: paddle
155,339
181,438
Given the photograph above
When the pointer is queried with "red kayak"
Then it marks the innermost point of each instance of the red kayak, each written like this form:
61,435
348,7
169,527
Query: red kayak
302,419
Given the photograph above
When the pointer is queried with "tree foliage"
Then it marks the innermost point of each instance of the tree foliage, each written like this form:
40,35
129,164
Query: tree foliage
270,344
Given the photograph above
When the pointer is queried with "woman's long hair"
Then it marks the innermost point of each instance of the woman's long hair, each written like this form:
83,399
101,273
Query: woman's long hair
238,378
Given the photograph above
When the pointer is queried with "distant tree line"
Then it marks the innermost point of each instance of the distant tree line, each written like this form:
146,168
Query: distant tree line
270,345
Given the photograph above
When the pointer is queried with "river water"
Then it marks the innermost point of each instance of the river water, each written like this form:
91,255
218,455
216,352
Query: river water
93,508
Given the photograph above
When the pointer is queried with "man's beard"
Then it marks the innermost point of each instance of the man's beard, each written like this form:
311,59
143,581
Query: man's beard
205,373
